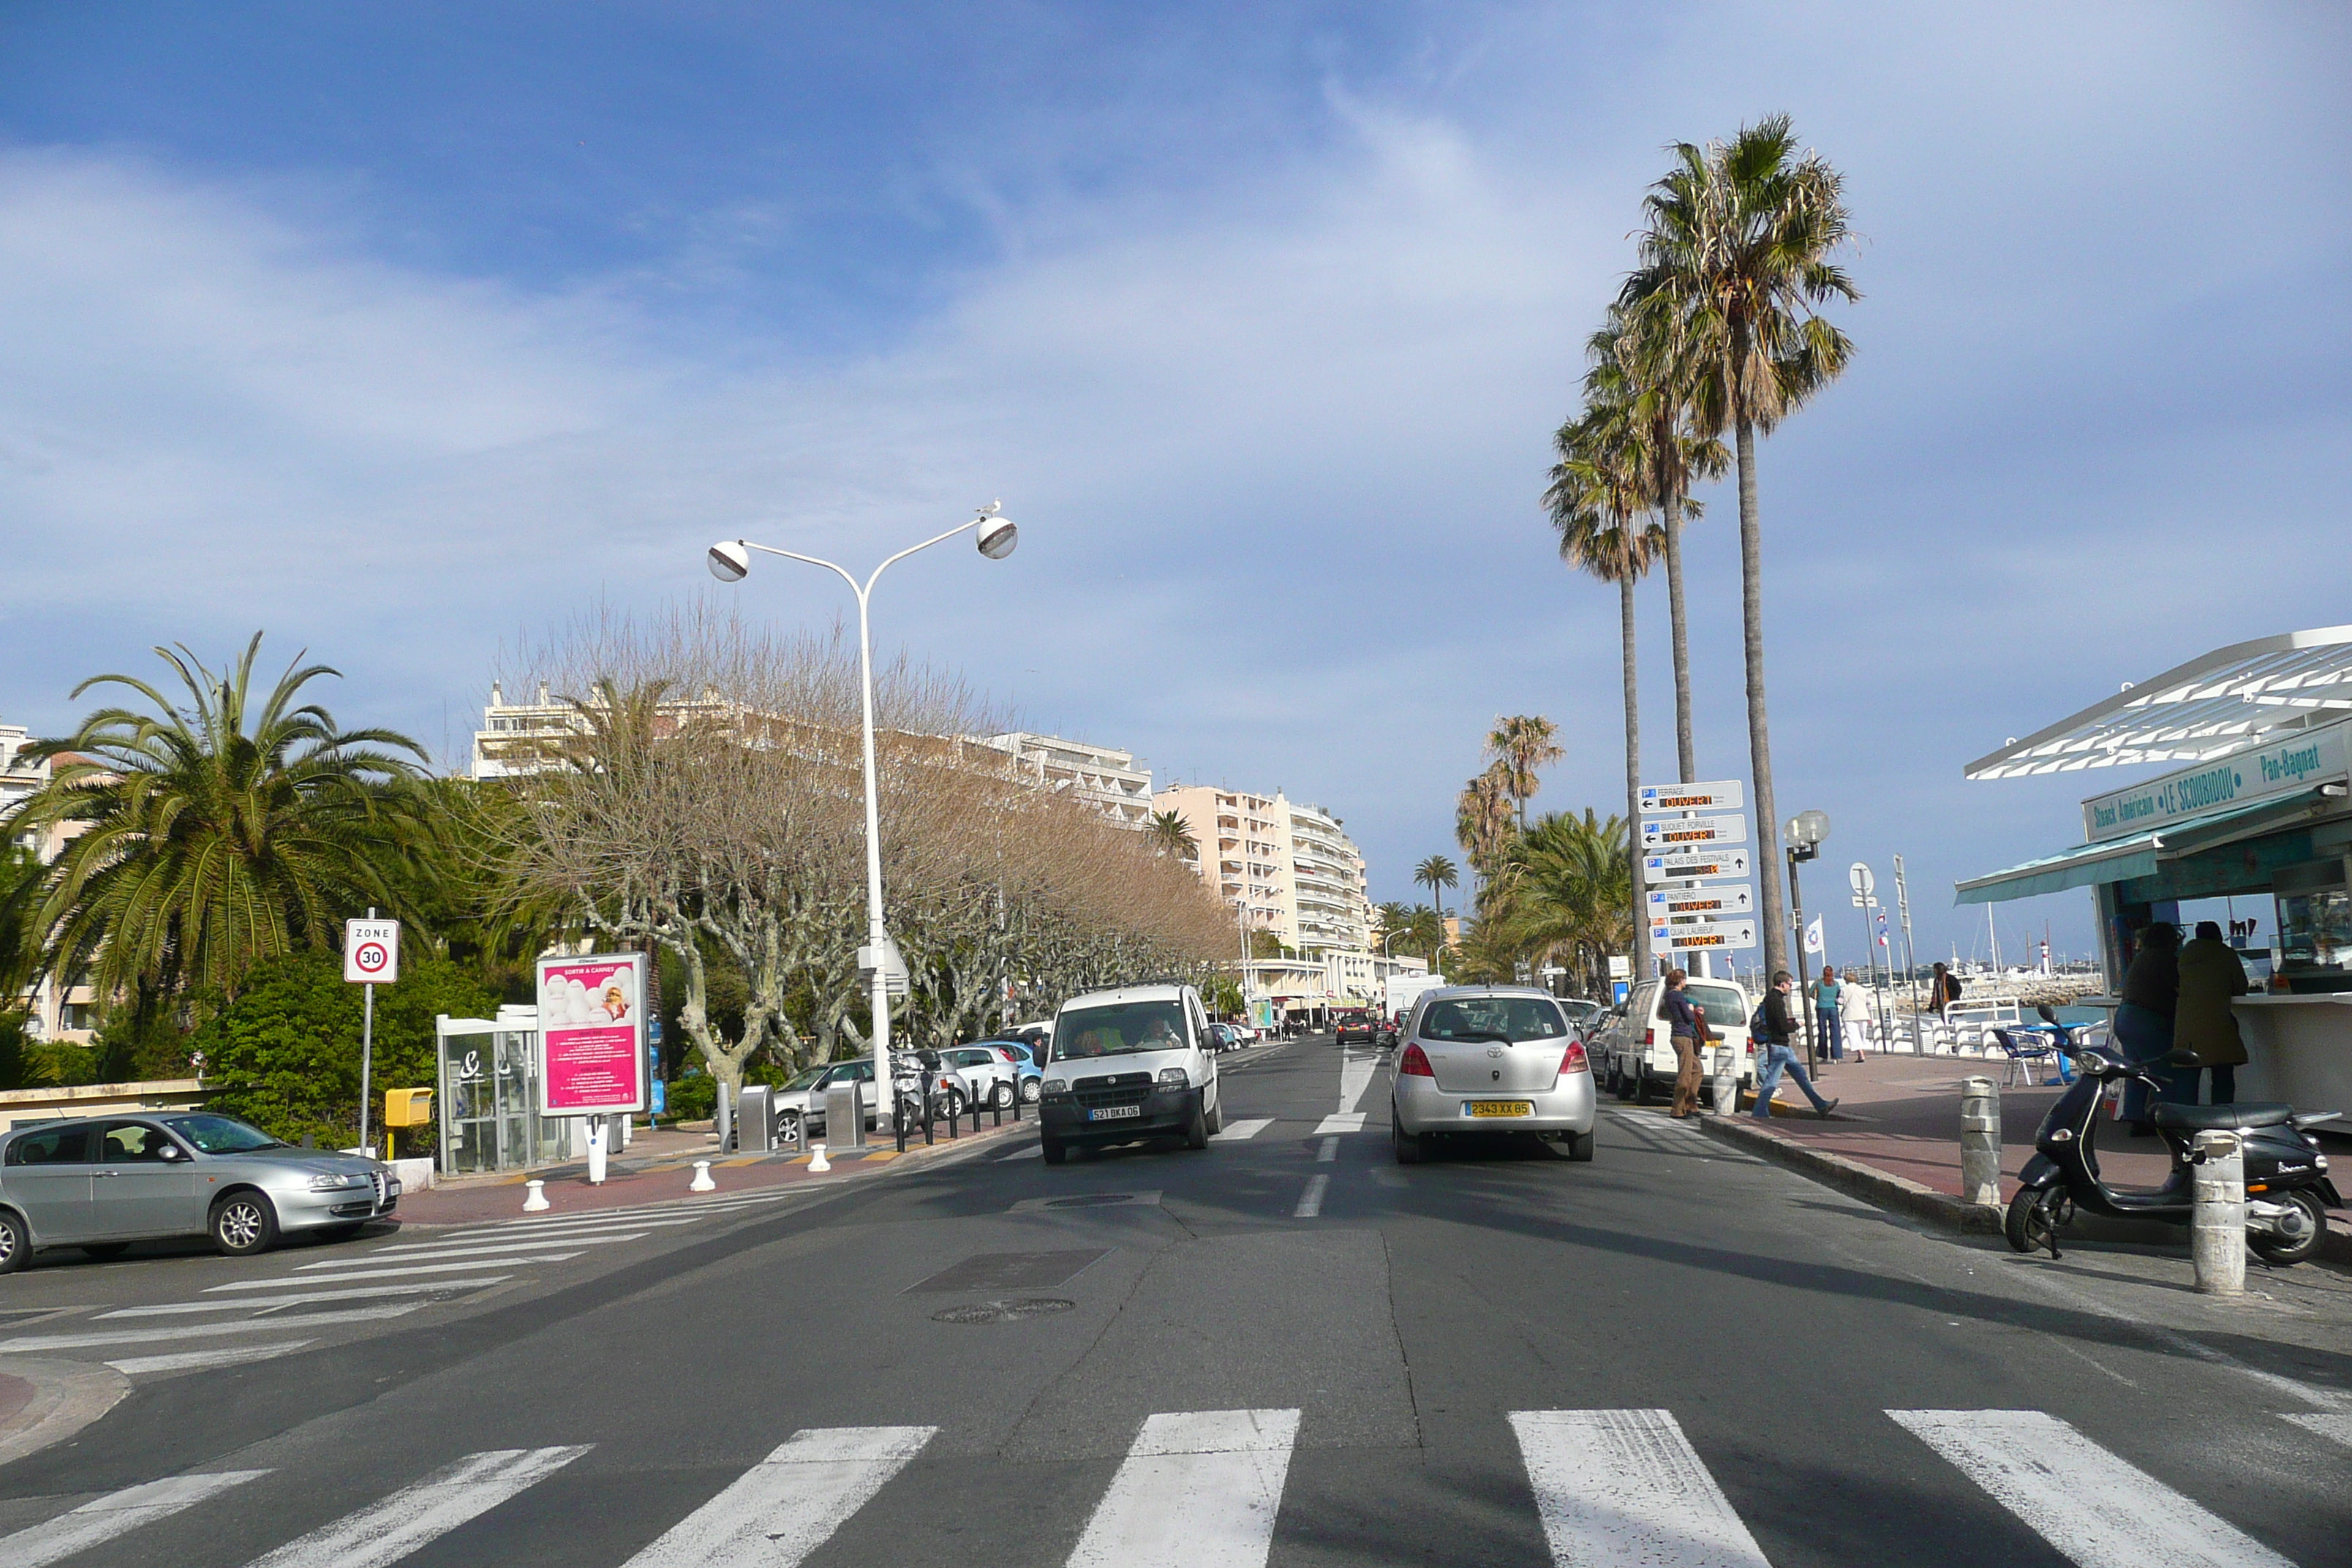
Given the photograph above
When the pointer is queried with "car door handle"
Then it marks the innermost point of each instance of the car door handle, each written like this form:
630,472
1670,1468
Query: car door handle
94,1174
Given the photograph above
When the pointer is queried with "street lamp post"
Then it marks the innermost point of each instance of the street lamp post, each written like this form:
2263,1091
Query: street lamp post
1805,832
730,562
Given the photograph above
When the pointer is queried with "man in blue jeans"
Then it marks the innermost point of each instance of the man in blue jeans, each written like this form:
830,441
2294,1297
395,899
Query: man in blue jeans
1780,1028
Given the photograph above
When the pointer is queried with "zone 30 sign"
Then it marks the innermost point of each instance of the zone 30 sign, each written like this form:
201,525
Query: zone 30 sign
372,951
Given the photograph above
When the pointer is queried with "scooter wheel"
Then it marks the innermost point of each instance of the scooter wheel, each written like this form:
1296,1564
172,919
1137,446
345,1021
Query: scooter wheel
2310,1232
2028,1227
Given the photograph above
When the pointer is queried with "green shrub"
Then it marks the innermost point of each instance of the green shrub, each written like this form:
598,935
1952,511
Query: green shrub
694,1098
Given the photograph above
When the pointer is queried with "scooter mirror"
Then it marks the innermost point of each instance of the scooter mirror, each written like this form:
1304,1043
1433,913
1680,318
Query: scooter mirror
2181,1058
2047,1016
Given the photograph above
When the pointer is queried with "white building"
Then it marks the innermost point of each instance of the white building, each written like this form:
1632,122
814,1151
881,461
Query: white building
1115,783
52,1013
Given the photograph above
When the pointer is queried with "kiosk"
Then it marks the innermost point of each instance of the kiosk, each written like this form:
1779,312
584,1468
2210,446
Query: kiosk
2255,801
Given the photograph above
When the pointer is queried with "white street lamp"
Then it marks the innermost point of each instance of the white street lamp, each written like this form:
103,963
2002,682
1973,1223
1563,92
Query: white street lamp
730,562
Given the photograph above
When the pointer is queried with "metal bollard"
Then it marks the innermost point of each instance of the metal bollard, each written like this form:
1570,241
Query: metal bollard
995,1108
1727,1081
1981,1141
2217,1230
1016,1101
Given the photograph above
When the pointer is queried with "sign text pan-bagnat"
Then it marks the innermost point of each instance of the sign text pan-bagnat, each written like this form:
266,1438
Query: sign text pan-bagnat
1693,832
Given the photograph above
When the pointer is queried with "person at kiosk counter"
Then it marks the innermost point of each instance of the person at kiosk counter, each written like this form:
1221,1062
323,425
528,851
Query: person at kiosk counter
2211,976
2144,1022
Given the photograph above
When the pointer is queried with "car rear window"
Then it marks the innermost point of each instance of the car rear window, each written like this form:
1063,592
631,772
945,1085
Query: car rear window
1494,1018
1723,1006
56,1146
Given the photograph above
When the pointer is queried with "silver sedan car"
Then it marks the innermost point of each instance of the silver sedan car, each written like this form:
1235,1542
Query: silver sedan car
1483,1059
102,1183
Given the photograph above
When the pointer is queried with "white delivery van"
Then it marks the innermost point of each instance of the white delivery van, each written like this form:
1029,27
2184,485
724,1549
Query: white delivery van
1637,1052
1127,1064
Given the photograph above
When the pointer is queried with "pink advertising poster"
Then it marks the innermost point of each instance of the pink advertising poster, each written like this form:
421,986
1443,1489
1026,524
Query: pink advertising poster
592,1034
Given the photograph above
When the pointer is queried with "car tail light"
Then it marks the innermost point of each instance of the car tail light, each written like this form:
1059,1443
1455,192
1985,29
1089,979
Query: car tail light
1651,1040
1414,1063
1575,1060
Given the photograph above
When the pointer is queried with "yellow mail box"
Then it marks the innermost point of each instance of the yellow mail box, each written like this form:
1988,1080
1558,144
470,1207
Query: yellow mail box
408,1108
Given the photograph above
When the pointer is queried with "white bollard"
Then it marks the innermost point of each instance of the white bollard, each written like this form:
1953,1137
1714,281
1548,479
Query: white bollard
818,1161
702,1182
596,1151
1981,1141
2216,1228
1726,1080
535,1197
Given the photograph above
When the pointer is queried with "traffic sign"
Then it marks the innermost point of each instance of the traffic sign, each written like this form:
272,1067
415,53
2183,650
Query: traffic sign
1694,865
1718,901
371,951
1684,936
1858,877
1621,967
1724,796
1693,832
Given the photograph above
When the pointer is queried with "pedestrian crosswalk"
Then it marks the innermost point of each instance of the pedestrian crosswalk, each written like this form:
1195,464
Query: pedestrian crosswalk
344,1286
1207,1488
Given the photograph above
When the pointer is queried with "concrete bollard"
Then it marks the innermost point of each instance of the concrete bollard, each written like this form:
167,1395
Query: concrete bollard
534,1198
1726,1080
2217,1230
596,1136
1981,1141
818,1161
702,1182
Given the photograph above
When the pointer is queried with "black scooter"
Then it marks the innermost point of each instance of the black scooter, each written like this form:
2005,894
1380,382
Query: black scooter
2287,1190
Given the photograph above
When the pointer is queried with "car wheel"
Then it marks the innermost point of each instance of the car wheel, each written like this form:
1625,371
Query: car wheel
242,1224
2310,1230
105,1251
1578,1146
1644,1086
1056,1151
15,1243
1217,1119
1406,1144
1031,1087
1001,1096
1196,1132
788,1124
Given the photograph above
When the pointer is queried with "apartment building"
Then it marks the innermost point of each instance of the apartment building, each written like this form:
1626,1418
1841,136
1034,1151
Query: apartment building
51,1012
1286,866
1115,783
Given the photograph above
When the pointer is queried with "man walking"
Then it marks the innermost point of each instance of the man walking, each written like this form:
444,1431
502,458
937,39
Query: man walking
1779,1019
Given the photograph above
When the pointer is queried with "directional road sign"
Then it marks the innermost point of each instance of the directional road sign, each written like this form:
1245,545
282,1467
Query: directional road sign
1724,796
1722,901
1693,832
1858,877
1685,936
1694,865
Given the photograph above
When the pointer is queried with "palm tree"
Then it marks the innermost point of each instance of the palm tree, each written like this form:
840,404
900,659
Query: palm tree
215,834
1571,897
1483,821
1170,832
1435,873
1595,499
1734,258
1524,743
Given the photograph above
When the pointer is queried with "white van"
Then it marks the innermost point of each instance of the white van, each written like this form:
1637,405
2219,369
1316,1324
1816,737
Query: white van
1633,1052
1127,1064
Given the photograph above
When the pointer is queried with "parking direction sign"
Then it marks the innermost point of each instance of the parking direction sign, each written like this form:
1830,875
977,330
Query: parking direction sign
1695,865
1685,936
1722,901
1722,796
372,951
1693,832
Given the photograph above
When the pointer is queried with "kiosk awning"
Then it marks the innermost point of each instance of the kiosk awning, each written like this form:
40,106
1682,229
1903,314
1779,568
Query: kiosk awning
2120,860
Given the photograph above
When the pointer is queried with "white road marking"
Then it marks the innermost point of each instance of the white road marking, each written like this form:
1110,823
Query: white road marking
785,1507
1329,1152
389,1529
1034,1152
103,1519
186,1360
1198,1490
2091,1506
202,1330
422,1252
1241,1131
1624,1488
513,1229
1356,1074
249,1303
1310,1201
403,1272
2338,1427
1345,1121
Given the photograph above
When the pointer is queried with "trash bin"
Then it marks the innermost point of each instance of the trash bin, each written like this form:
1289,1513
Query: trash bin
755,1123
844,1115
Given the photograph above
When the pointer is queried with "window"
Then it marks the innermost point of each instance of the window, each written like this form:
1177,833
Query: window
222,1134
133,1141
1122,1028
52,1146
1508,1018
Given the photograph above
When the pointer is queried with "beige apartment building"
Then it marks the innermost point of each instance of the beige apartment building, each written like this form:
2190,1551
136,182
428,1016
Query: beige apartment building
51,1012
1288,867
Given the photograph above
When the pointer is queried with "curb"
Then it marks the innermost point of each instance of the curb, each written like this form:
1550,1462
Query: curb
67,1395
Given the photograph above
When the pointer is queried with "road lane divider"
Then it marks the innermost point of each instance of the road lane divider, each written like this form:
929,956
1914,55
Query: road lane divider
1310,1201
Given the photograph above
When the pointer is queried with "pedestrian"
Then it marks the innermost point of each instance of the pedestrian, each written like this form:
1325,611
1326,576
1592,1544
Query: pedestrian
1943,988
1779,1017
2203,1023
1682,1027
1854,1013
1826,1014
2151,997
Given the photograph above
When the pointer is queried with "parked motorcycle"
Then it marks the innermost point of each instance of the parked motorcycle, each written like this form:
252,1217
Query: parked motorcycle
2288,1192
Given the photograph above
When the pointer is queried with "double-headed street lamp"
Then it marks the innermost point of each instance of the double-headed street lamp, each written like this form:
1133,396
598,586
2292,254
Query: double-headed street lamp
730,562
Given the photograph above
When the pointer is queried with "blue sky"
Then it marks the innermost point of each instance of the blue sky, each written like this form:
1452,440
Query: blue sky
405,331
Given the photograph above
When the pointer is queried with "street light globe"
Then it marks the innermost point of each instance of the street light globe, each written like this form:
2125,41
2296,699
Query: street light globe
728,561
997,537
1809,826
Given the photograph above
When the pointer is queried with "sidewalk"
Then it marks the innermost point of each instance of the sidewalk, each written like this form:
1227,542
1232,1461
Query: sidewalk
658,1165
1896,1138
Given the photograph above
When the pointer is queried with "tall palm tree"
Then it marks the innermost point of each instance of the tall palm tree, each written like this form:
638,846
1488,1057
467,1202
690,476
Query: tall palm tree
216,832
1735,257
1523,743
1595,501
1169,831
1571,896
1483,821
1436,873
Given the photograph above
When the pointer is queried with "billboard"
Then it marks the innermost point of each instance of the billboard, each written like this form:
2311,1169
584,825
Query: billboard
592,1034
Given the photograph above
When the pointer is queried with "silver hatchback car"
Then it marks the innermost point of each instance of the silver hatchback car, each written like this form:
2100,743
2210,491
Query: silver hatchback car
103,1182
1483,1059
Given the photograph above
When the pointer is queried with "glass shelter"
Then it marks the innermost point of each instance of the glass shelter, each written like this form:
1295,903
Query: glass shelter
489,1100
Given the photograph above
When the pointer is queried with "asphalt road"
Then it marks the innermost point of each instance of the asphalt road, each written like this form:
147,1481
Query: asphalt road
1285,1349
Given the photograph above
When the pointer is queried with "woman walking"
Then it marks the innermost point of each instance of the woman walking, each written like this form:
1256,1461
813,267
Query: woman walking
1682,1026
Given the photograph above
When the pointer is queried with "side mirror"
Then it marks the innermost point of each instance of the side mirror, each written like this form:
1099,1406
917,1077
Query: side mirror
2181,1056
2047,1017
168,1151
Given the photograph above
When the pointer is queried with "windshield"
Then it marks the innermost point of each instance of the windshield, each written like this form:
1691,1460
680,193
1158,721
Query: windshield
222,1134
1494,1018
1121,1029
802,1079
1721,1002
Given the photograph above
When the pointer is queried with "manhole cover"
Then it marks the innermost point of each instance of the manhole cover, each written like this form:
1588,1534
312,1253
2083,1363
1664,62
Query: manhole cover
1003,1312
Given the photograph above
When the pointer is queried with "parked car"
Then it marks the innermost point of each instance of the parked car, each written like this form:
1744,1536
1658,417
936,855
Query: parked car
987,1072
1356,1023
1635,1052
1481,1060
102,1183
1583,1015
1388,1035
1024,1062
802,1099
1127,1064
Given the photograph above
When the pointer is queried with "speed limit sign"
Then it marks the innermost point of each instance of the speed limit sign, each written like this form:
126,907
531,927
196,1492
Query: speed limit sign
371,951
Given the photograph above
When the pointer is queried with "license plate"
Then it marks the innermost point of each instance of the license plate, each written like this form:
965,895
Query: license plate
1501,1108
1113,1113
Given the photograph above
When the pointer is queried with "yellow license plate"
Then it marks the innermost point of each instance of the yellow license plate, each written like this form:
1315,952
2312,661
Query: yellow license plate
1502,1108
